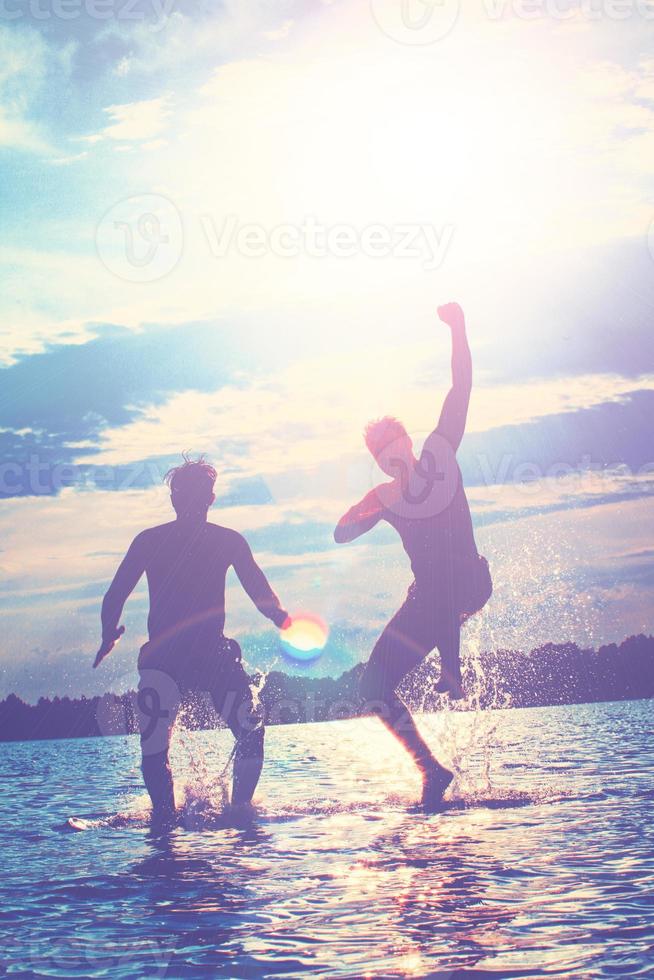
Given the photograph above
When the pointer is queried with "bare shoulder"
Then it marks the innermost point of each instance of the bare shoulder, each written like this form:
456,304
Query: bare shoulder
227,537
151,533
437,444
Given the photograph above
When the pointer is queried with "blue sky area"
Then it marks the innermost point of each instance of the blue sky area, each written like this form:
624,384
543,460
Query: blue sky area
190,195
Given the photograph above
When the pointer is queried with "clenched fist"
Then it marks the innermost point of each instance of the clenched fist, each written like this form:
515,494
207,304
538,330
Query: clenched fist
452,314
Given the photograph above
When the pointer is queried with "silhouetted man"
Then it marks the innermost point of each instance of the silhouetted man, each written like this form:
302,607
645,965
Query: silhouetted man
426,503
186,562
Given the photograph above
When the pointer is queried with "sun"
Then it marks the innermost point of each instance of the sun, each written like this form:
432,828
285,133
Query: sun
306,638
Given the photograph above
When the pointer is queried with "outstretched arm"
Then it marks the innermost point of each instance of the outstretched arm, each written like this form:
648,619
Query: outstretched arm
257,586
359,519
125,580
454,413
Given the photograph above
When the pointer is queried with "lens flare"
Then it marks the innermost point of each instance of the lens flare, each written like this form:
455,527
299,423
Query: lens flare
306,638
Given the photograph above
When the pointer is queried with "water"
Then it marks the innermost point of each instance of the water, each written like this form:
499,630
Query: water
542,866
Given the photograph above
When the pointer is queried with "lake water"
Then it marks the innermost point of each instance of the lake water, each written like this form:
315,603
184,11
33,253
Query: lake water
543,864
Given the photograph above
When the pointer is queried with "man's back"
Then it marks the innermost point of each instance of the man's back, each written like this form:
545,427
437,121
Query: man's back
186,564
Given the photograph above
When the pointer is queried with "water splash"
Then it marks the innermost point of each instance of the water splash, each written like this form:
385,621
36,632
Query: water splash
203,796
204,790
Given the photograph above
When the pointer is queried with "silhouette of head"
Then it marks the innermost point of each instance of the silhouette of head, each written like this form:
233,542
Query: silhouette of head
191,487
390,444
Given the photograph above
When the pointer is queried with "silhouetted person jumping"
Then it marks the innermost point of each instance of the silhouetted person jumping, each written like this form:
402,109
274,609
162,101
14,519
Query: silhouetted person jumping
426,503
186,562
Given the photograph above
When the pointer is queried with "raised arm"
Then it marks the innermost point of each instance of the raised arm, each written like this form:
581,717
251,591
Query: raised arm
256,584
125,580
454,413
359,519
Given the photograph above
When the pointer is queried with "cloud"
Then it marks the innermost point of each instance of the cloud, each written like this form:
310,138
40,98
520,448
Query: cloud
20,134
280,33
177,42
576,575
65,161
574,138
538,159
590,438
262,420
504,502
28,64
135,121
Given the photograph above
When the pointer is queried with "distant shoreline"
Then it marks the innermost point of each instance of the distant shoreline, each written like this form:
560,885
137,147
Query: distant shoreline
461,709
551,675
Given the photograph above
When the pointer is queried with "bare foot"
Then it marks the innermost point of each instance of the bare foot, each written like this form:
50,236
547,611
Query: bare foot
164,820
450,683
240,814
435,782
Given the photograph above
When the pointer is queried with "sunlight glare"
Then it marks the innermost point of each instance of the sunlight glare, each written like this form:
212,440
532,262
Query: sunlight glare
306,638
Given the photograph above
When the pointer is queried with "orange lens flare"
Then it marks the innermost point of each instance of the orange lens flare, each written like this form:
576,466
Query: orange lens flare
306,638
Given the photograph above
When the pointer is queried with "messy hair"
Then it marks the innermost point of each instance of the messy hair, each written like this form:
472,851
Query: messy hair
192,478
382,433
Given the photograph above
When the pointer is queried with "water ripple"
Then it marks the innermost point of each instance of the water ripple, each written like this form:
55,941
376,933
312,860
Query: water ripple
542,864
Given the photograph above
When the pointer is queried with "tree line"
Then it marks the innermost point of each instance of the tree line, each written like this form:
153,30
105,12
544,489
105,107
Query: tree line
549,675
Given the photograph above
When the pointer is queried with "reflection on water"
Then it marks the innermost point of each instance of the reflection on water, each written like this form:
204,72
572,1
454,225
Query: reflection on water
542,865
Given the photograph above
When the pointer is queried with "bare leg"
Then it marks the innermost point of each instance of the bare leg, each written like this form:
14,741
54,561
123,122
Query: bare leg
450,650
232,697
396,716
157,703
248,763
158,780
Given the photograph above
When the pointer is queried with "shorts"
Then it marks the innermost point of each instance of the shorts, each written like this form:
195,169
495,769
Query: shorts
474,587
170,673
429,618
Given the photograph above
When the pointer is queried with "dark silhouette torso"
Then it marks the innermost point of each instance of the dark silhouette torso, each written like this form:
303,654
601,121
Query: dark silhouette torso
437,544
186,565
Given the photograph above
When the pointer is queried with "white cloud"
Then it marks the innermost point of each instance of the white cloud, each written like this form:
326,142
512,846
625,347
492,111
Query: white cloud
545,570
134,121
280,33
65,161
27,63
292,424
541,145
18,133
218,35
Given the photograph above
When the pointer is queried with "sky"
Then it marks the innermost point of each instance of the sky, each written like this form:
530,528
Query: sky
226,228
